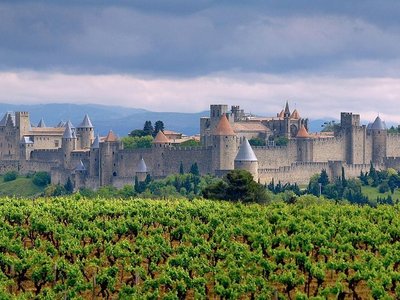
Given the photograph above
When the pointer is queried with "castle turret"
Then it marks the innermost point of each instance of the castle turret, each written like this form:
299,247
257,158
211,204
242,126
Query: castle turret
160,140
41,124
246,159
379,136
79,175
85,131
304,145
95,157
109,158
141,170
224,146
68,145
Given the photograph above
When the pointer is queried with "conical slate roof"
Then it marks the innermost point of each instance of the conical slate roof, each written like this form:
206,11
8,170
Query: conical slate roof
96,143
69,133
141,167
68,123
160,138
245,153
223,127
302,133
5,118
111,137
86,123
41,124
80,166
378,124
61,124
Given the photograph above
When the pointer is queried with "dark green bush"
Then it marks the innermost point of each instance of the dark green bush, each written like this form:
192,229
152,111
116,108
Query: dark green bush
41,178
10,176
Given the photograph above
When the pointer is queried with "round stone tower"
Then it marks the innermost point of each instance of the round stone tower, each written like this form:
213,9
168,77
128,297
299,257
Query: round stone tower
379,136
246,159
224,146
85,131
95,157
109,158
304,145
68,144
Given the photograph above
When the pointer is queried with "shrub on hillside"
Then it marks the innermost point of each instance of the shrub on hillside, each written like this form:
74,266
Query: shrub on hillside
10,176
41,178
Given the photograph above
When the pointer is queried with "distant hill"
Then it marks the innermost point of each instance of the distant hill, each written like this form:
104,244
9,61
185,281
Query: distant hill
120,119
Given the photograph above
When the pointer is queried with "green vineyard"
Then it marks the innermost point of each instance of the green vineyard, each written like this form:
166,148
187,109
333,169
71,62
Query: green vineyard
67,248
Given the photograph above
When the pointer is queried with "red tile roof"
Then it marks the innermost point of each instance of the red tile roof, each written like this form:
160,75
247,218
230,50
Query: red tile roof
161,138
111,137
302,133
223,127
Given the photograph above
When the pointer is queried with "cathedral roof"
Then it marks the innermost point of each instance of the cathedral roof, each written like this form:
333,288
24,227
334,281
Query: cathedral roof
287,111
41,124
141,167
96,143
223,127
302,133
295,115
86,123
378,124
245,153
160,138
111,137
69,133
80,166
281,114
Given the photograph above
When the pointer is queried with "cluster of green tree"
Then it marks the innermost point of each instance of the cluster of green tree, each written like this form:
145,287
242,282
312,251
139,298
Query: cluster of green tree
385,180
237,185
393,129
148,129
142,138
279,141
330,126
56,190
340,188
257,142
281,188
40,179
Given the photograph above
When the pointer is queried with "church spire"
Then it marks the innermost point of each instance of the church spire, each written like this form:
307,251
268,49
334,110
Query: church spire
287,111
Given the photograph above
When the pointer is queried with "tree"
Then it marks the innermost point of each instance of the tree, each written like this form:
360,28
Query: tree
137,133
323,178
41,178
281,141
257,142
148,128
69,187
10,176
158,126
181,171
194,169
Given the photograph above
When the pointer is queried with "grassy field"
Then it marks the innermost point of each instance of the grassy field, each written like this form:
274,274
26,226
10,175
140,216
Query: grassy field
373,193
20,187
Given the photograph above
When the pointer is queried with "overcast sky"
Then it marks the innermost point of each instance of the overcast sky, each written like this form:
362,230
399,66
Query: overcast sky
180,55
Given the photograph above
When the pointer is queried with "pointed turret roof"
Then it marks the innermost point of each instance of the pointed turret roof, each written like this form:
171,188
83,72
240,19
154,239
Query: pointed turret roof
61,124
68,123
69,133
41,124
245,153
223,127
281,114
160,138
295,115
302,133
8,115
141,167
86,123
111,137
96,142
378,124
80,166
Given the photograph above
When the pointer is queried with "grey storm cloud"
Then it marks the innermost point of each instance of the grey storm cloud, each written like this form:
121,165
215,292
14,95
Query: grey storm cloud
191,38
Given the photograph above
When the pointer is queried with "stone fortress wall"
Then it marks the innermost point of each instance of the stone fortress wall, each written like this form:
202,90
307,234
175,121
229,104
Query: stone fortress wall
66,151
